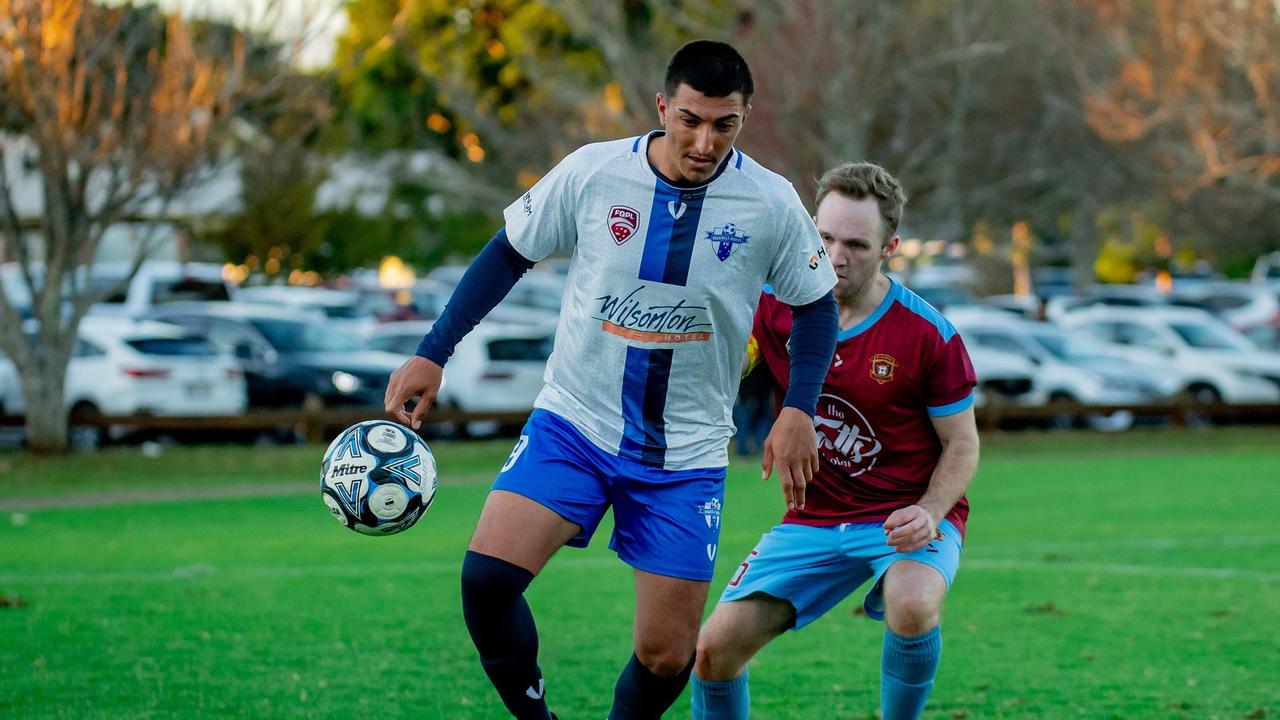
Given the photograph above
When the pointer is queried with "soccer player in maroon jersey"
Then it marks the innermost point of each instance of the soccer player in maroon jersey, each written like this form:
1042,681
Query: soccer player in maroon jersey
898,446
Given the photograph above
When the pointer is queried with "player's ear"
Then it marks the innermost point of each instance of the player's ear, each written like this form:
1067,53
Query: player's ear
890,247
662,109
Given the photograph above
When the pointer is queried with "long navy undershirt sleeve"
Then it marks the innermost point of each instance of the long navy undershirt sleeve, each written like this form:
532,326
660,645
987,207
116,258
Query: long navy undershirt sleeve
813,343
489,278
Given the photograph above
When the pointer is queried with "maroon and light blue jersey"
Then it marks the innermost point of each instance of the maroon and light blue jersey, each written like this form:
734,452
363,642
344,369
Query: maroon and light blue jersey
891,373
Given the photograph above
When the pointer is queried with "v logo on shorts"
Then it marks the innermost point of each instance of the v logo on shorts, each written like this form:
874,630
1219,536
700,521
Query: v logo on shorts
537,694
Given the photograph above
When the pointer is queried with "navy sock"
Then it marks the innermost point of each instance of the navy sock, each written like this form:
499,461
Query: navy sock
502,629
641,695
907,667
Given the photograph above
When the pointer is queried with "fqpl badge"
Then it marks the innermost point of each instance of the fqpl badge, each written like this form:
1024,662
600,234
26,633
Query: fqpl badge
727,238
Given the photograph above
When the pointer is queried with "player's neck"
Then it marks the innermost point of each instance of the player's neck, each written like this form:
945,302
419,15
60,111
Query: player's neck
859,305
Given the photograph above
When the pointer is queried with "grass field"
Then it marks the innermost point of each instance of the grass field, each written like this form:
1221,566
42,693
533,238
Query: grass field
1116,576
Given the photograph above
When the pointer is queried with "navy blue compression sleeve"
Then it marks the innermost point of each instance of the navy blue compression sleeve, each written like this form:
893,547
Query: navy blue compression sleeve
813,344
489,278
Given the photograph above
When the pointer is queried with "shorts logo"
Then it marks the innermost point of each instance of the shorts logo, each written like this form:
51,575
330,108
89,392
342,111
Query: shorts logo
623,223
727,238
882,368
710,512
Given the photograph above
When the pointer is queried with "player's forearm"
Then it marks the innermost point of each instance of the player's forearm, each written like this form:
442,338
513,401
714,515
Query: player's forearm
951,478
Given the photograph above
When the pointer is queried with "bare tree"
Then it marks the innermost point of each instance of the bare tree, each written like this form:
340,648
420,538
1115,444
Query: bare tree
118,108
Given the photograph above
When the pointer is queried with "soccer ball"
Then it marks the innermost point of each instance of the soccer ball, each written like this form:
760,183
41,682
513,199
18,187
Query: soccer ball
378,478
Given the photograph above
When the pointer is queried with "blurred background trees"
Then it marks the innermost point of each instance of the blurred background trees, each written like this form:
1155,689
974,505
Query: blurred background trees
1111,136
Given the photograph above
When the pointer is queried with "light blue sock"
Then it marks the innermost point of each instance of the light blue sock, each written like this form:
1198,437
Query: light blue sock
907,667
724,700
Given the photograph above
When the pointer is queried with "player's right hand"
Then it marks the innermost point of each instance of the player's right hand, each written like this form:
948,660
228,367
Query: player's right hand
792,448
417,378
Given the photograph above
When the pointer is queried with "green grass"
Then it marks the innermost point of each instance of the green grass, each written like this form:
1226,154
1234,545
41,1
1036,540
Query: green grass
1131,576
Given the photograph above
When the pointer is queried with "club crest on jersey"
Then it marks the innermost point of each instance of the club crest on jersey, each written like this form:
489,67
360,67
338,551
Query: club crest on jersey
882,368
623,223
726,238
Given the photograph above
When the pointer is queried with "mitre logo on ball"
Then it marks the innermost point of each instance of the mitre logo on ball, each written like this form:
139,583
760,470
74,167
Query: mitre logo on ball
623,223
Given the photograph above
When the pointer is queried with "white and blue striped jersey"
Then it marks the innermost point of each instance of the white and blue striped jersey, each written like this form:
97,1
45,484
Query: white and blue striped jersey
662,286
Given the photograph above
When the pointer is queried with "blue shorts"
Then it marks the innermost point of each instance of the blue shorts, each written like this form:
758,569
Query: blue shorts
814,568
666,522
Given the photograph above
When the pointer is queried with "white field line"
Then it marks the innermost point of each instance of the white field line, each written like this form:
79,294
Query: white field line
411,570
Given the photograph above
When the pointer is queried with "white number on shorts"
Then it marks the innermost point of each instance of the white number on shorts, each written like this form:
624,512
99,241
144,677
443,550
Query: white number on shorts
742,569
521,444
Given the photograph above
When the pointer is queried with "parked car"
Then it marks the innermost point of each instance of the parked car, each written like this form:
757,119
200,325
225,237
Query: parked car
124,367
430,296
289,357
157,282
343,309
1003,378
1211,362
1123,296
9,386
1252,309
543,291
495,368
1069,368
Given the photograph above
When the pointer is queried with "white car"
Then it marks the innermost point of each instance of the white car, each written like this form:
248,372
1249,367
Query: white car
157,282
10,387
123,367
495,368
1068,367
1251,308
345,310
1210,361
1003,378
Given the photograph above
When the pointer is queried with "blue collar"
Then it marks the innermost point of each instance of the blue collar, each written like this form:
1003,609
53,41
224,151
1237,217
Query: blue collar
889,299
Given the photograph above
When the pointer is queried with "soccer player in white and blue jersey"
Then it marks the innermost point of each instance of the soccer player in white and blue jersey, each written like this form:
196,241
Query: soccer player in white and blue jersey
673,234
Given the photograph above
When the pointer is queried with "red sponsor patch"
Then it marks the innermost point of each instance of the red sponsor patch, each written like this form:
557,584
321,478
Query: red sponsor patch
623,223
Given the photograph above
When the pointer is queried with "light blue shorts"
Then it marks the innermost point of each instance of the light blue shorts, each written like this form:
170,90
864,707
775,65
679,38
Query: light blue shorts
666,522
814,568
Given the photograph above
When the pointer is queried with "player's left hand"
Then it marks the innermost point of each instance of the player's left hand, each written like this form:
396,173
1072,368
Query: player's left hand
792,447
910,528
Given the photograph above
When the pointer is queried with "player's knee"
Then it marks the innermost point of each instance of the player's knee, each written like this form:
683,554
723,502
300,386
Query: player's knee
912,615
713,661
664,659
488,581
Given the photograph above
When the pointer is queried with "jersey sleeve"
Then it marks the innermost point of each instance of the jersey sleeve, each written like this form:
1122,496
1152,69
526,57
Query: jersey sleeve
542,221
801,272
768,341
952,380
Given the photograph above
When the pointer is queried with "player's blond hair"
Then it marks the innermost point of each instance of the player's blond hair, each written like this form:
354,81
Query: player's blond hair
862,180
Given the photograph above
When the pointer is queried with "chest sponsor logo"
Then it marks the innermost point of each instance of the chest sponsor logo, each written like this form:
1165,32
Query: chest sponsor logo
845,439
882,368
727,238
635,316
623,223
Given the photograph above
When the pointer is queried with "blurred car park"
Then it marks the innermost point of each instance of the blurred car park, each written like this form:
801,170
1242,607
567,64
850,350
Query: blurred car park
347,310
1252,309
495,368
1068,368
289,355
1123,296
1003,378
1212,362
124,367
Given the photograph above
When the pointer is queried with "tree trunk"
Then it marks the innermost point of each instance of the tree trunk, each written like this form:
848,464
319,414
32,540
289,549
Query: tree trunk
46,418
1084,242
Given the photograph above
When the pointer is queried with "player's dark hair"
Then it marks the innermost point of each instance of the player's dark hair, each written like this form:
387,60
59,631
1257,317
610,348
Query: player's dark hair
712,68
862,180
